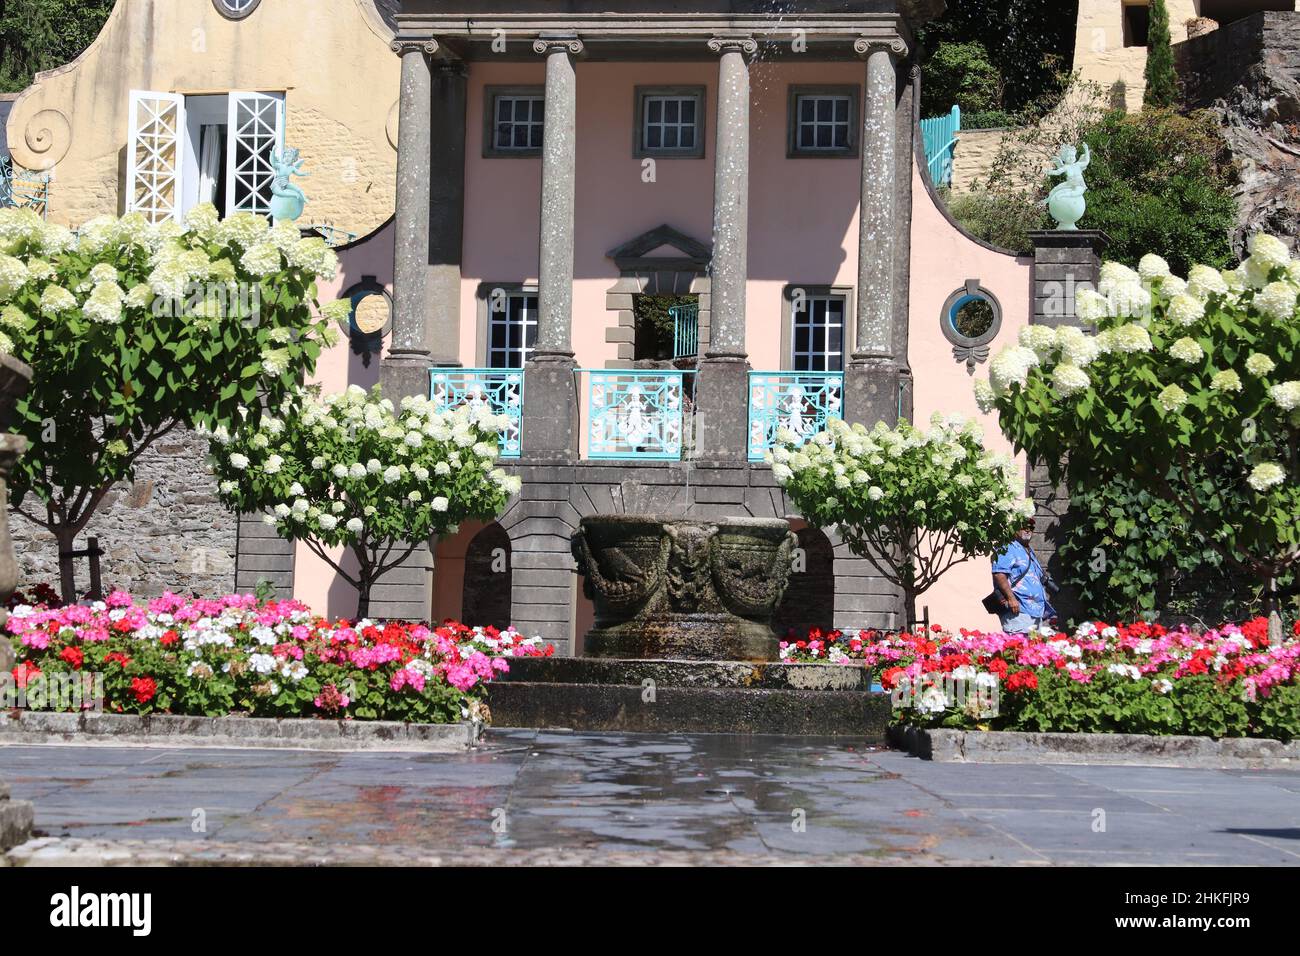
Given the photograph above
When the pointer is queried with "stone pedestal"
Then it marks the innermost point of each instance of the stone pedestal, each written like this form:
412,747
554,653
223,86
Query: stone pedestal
871,391
1064,263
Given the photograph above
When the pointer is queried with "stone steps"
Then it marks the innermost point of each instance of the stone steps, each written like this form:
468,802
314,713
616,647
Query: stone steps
587,694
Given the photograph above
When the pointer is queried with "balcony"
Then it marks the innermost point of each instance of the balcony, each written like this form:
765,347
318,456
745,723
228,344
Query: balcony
686,330
634,414
799,401
501,390
646,415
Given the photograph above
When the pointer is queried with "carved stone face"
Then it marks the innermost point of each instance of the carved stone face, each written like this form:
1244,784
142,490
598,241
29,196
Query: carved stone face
1068,155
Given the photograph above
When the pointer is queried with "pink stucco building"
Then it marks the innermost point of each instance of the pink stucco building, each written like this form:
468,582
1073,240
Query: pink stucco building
555,163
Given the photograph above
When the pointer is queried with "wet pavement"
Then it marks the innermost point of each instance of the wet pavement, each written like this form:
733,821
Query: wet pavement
558,796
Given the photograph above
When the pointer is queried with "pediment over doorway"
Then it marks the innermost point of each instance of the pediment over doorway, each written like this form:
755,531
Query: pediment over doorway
662,248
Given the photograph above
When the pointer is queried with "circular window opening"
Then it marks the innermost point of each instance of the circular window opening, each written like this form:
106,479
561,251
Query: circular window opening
970,320
236,9
972,316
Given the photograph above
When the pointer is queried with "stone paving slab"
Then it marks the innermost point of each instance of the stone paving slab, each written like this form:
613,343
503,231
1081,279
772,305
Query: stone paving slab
171,730
533,797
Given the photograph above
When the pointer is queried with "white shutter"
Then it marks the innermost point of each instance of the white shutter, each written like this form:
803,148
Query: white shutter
154,154
255,130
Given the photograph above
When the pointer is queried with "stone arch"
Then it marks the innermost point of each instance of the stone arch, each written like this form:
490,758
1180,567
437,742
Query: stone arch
486,591
809,599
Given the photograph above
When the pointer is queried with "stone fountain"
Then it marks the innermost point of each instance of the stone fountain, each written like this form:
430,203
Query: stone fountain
683,641
681,588
15,815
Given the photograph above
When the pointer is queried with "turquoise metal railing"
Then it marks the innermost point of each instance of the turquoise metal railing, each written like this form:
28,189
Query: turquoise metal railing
686,330
500,389
799,401
332,235
21,188
940,135
634,414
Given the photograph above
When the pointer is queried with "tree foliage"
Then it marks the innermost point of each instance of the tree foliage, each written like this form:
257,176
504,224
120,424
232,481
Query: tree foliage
912,503
1190,392
1161,75
352,469
39,35
135,330
1030,43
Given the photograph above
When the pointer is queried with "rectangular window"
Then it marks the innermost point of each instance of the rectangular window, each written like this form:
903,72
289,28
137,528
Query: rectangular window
516,119
670,122
823,121
819,334
512,328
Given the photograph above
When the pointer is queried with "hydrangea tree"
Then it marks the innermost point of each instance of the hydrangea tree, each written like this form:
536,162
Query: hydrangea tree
134,330
912,503
350,469
1190,388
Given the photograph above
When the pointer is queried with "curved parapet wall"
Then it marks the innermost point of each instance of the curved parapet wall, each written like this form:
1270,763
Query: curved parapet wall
330,59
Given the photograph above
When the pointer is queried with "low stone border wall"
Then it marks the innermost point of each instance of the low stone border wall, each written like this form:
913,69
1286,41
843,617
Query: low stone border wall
166,730
976,746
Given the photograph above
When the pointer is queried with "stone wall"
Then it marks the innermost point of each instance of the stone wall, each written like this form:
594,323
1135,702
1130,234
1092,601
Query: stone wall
164,531
974,158
1246,73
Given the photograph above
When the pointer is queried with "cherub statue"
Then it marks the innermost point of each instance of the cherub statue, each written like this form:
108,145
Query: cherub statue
287,200
1067,202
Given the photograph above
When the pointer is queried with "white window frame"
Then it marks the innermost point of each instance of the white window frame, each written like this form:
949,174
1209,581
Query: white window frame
832,360
646,98
155,186
526,319
256,119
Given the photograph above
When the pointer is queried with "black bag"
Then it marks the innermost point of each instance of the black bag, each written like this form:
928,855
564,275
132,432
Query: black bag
994,603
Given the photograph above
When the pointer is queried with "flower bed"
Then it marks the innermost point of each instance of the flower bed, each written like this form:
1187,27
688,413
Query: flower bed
235,654
1135,678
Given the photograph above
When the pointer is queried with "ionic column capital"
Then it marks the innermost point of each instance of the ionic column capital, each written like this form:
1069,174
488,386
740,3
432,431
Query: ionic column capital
866,45
569,43
734,43
402,46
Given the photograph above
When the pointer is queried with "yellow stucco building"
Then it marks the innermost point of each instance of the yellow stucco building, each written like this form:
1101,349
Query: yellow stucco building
182,101
1111,35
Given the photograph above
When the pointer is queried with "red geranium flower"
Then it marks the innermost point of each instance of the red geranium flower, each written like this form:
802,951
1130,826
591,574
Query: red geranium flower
1022,680
169,638
117,657
73,656
143,688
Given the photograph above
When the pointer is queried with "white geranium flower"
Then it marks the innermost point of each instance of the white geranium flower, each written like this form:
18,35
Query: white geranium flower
1172,398
1187,350
1286,395
1277,301
1185,310
1259,365
1266,476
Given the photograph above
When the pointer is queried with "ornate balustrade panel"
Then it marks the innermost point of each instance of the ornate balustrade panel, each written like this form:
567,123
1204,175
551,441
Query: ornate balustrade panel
20,188
686,330
634,414
501,390
799,401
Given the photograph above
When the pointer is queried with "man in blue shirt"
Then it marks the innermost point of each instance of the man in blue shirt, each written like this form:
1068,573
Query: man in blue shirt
1019,579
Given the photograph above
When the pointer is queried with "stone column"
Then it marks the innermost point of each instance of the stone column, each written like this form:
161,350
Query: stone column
446,213
721,389
871,381
405,368
550,425
406,592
